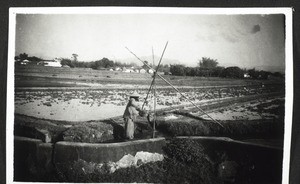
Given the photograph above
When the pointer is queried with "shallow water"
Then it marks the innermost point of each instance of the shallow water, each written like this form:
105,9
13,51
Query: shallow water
96,104
72,110
242,112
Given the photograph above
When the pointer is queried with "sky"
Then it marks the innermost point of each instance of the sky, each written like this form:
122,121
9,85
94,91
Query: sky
246,41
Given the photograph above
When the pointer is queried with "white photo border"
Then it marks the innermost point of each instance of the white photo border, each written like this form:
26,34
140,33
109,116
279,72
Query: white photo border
288,12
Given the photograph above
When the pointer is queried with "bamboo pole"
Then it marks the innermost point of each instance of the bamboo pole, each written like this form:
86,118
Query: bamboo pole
177,90
151,85
154,117
154,90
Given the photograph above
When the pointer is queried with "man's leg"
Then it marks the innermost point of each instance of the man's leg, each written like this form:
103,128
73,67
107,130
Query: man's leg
129,129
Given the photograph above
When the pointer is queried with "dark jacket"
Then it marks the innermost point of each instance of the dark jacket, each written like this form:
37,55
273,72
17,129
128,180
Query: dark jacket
132,109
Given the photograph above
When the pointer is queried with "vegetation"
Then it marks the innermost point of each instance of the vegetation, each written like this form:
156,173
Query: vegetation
91,133
75,56
208,63
185,162
23,56
232,128
207,67
232,72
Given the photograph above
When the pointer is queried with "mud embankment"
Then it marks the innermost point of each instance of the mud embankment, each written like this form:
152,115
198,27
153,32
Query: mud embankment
38,161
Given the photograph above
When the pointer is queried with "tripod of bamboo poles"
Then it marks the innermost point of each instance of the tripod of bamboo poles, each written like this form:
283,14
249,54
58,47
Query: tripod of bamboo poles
153,87
155,71
215,121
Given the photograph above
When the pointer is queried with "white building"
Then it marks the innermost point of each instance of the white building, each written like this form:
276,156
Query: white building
52,63
246,75
127,70
150,71
118,69
142,70
25,62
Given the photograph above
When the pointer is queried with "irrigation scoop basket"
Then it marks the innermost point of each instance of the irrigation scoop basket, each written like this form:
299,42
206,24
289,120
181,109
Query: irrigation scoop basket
176,89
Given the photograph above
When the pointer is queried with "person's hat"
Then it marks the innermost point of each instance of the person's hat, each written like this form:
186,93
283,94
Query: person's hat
135,95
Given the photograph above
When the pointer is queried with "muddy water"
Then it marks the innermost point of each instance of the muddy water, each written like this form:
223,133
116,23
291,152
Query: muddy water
260,109
95,104
72,110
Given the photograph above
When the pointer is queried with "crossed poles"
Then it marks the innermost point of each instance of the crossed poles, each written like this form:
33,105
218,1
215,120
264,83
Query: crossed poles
153,84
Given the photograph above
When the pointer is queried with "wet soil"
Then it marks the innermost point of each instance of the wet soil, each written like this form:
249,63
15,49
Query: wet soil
85,104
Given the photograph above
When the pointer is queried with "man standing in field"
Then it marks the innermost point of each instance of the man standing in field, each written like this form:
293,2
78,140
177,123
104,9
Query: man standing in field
131,112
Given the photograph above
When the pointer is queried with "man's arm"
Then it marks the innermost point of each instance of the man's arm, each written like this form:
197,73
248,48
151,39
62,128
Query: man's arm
138,108
135,105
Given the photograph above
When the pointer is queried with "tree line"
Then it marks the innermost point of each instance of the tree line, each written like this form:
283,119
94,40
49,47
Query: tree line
103,63
208,67
74,63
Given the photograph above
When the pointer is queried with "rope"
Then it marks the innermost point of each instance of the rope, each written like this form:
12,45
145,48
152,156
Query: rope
176,89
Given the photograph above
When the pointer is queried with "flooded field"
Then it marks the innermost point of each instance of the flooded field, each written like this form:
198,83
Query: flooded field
77,113
268,108
94,104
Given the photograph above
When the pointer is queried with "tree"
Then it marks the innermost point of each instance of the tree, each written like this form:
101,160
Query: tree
34,59
264,74
253,73
216,72
191,71
106,63
65,61
207,63
103,63
145,66
23,56
278,74
17,57
232,72
75,56
177,70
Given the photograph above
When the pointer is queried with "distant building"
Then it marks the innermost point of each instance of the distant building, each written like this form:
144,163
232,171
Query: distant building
117,69
142,70
150,71
246,75
25,62
127,70
52,63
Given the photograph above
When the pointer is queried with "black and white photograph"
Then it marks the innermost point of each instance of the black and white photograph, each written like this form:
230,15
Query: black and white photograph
149,95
